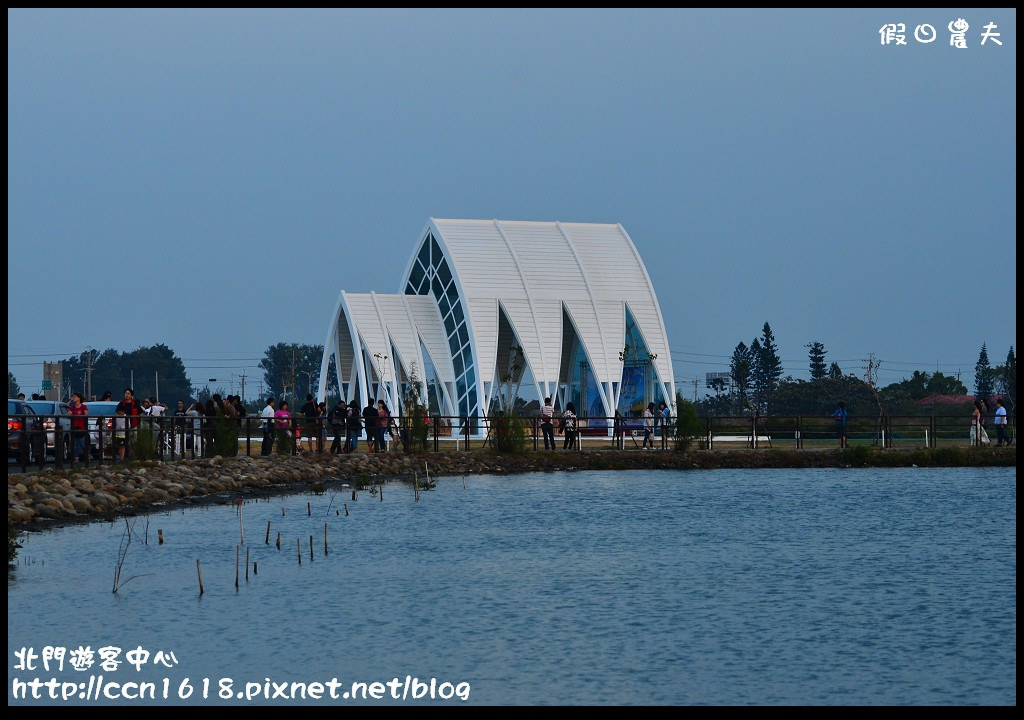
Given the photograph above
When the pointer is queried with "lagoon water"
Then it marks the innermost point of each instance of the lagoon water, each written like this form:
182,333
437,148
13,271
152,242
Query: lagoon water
857,586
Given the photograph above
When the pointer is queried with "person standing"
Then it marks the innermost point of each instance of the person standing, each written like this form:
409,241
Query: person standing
371,422
978,435
547,424
569,427
666,422
1001,436
385,421
131,410
120,433
354,428
267,417
79,425
309,425
648,427
180,424
282,425
618,430
195,442
840,417
337,418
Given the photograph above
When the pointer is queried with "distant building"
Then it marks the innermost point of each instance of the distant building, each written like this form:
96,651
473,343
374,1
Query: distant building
575,297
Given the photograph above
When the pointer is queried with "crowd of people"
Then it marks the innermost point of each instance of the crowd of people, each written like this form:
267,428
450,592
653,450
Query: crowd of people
347,424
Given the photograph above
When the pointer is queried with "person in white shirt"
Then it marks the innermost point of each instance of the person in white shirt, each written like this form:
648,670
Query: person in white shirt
267,414
547,423
648,426
1001,436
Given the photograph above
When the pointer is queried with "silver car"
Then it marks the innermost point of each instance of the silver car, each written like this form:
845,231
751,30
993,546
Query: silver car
54,412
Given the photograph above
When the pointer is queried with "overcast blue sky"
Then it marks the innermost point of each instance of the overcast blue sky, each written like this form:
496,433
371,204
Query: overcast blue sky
210,179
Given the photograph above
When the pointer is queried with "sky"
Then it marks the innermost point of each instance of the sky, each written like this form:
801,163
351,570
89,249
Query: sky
211,179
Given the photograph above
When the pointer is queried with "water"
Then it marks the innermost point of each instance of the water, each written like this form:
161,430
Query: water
875,586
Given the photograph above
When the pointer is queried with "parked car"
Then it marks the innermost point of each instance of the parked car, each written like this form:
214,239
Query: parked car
105,410
53,412
19,414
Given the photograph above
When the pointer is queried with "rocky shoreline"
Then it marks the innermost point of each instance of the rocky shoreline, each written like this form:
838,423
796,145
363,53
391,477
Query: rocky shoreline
51,498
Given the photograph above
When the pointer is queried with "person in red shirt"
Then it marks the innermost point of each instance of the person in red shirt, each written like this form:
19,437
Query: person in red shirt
131,408
78,412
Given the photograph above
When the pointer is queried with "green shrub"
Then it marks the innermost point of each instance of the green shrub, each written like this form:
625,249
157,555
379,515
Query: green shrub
857,456
143,443
688,425
509,433
12,541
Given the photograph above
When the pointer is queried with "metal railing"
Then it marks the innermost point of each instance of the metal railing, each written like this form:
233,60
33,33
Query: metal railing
113,438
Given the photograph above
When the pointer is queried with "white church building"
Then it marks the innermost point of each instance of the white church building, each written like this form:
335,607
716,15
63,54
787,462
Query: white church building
575,297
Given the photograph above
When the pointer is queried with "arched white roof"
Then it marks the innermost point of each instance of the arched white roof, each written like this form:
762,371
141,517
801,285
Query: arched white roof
535,269
550,281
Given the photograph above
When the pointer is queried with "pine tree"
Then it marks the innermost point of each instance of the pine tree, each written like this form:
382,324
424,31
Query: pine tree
835,372
816,354
756,376
983,386
1010,377
739,371
769,367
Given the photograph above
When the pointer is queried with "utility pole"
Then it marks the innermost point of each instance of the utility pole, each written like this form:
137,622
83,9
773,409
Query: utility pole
88,372
695,390
156,382
243,387
294,369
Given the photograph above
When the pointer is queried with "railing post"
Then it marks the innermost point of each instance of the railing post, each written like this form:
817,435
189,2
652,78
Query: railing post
24,444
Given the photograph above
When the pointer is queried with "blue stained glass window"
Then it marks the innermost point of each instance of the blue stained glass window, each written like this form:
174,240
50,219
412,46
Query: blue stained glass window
416,276
444,273
457,316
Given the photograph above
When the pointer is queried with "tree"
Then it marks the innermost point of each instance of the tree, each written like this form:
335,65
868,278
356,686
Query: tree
816,354
900,398
770,364
152,371
834,371
983,385
739,371
819,397
287,365
688,425
12,385
1008,378
757,377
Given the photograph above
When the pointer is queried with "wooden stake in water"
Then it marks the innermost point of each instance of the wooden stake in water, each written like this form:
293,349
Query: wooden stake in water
346,509
160,537
353,494
241,533
325,538
416,486
298,549
311,548
247,564
463,482
267,541
278,539
309,510
255,570
236,566
427,471
381,488
199,572
282,511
